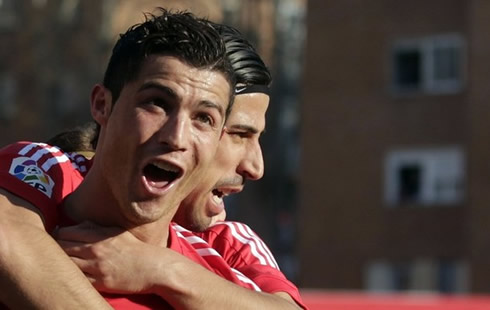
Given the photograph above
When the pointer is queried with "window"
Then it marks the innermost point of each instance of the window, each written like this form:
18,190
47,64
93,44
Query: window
424,177
421,274
409,177
430,64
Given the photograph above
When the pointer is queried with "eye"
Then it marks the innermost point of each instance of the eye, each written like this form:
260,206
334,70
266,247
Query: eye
239,135
205,118
159,102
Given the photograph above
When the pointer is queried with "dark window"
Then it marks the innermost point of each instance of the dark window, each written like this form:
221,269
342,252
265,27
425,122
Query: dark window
407,68
410,183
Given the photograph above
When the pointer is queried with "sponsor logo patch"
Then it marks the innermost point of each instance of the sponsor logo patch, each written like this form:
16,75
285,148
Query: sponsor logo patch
27,170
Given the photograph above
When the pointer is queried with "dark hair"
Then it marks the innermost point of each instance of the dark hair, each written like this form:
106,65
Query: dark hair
247,65
77,139
192,40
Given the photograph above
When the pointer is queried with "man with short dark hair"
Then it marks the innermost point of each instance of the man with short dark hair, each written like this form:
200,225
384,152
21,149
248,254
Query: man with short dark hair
161,111
238,158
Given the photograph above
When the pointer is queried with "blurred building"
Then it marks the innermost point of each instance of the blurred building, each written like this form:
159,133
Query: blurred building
395,130
53,52
50,56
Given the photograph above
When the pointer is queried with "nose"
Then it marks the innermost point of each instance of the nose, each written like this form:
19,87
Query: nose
252,165
175,132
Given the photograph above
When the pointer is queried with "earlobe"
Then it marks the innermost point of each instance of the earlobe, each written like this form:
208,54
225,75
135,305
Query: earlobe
100,104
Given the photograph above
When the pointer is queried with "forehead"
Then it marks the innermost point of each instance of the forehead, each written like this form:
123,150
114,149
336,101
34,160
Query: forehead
185,79
249,109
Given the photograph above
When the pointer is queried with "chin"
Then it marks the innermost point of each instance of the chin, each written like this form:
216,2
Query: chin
144,214
198,224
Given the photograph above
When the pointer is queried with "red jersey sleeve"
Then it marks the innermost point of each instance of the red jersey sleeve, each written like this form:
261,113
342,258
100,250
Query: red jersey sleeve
202,253
244,251
40,174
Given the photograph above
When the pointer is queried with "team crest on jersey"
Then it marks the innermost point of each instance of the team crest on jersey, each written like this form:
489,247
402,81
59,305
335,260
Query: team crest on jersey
27,170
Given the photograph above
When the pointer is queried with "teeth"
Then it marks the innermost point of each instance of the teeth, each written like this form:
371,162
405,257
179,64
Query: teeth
218,196
217,199
166,166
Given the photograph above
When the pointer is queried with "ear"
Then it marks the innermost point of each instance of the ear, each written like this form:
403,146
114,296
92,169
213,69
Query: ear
100,104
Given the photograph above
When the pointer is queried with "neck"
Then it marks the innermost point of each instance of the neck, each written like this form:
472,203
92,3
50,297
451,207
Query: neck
93,201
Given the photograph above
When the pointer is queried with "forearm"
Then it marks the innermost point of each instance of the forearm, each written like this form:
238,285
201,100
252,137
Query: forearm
34,272
187,285
124,264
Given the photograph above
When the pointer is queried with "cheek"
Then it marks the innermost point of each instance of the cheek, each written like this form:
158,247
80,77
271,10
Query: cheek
213,174
205,146
144,125
229,159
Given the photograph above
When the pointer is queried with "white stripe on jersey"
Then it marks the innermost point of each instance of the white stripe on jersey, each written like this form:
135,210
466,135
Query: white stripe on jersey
245,241
260,243
29,147
245,279
194,239
191,238
82,169
207,252
177,227
44,151
53,161
78,161
180,235
257,247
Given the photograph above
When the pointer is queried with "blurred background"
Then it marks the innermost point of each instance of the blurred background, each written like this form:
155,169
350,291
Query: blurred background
377,175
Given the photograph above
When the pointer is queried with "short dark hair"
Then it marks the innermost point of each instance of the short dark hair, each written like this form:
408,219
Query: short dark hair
181,34
247,65
192,40
77,139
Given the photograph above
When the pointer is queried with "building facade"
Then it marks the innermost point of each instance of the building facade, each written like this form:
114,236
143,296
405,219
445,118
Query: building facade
394,131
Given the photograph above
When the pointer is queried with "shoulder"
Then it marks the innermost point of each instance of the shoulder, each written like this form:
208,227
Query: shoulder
207,256
234,232
188,243
40,174
39,163
45,156
239,244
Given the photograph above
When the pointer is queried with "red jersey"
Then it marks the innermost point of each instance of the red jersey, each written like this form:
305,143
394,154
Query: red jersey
44,176
246,253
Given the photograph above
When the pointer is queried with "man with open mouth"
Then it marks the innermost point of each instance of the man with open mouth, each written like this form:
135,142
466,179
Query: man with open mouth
239,158
161,110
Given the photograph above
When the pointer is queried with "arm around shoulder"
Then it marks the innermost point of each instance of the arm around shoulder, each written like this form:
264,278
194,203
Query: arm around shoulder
33,266
187,285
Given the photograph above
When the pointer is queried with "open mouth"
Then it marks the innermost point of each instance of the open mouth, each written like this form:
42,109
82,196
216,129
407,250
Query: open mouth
160,174
217,196
219,193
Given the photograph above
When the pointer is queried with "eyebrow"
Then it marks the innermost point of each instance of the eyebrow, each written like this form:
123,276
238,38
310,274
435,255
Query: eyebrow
245,128
173,95
211,104
167,90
